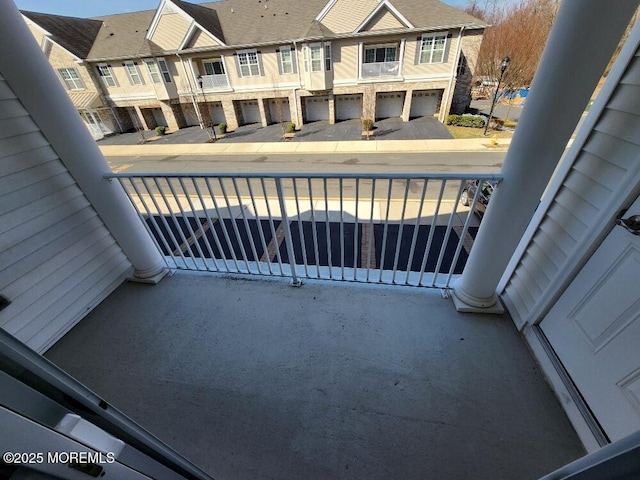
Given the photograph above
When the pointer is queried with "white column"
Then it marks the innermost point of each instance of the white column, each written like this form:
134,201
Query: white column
27,71
583,38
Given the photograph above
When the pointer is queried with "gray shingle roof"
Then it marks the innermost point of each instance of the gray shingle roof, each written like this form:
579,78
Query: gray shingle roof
205,17
123,35
73,34
434,14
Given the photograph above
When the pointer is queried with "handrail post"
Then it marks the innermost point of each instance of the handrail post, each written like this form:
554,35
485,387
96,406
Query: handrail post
295,281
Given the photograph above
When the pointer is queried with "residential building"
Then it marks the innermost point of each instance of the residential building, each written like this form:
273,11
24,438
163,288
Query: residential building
564,267
243,62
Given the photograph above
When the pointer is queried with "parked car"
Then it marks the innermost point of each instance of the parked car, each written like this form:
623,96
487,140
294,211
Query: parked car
469,193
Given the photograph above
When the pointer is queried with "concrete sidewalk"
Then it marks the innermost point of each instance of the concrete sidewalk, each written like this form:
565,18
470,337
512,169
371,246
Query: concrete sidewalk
361,146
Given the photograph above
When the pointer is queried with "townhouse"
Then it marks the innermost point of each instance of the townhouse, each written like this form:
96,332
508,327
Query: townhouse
263,61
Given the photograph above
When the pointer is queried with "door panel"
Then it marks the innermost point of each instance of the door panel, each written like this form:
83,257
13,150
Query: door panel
594,329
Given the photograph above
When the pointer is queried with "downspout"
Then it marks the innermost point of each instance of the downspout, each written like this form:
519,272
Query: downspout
193,98
454,77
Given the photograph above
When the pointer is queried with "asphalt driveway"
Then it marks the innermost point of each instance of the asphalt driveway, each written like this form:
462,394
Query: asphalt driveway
348,130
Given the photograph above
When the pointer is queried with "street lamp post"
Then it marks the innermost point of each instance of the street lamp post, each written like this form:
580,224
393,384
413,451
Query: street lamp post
204,119
503,67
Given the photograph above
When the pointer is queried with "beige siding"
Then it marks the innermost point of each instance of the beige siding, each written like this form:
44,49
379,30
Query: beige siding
412,69
35,31
345,16
124,87
383,20
345,60
606,158
269,69
202,39
170,31
58,260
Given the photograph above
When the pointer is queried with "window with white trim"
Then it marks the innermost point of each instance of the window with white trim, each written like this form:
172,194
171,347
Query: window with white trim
106,74
248,62
432,48
213,67
133,73
164,69
380,53
71,78
316,57
286,60
154,73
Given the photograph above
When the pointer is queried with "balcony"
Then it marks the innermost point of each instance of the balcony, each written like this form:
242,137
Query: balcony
380,69
250,378
213,82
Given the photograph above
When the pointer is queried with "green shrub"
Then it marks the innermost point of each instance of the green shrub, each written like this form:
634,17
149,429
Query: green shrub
222,126
291,127
367,124
160,130
467,120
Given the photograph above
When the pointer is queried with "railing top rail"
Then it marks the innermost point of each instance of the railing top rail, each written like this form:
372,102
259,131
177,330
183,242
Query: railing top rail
306,175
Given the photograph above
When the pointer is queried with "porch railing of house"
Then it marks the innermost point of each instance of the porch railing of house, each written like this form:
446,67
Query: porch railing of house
407,229
380,69
214,81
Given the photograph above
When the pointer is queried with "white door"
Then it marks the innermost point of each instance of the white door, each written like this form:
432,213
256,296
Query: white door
217,113
594,329
279,110
348,107
95,125
317,108
389,105
424,103
250,111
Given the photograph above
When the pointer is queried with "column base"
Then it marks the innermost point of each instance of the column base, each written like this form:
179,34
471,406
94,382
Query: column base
151,279
466,303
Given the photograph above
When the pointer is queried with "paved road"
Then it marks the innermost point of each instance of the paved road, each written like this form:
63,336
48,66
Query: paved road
477,162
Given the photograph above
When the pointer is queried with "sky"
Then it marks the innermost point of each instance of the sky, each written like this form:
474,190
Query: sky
96,8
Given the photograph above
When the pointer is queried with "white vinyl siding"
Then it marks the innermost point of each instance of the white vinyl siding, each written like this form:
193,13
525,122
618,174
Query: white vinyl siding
593,181
106,73
71,78
432,48
133,73
59,260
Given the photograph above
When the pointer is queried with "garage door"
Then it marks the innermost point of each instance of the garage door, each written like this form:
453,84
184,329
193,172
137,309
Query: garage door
425,103
389,105
250,111
317,108
279,110
348,106
217,113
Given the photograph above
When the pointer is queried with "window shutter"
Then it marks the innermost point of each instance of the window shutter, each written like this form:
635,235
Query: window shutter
237,62
279,60
260,66
447,47
99,71
418,49
294,59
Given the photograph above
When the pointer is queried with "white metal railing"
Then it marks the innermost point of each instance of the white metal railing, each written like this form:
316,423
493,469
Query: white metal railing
380,69
214,81
408,229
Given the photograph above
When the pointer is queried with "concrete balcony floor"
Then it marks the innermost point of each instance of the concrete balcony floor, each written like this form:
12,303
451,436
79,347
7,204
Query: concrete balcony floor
253,379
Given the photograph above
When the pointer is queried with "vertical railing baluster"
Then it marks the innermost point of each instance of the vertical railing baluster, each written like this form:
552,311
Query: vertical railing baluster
400,230
314,228
355,232
199,224
223,227
259,227
246,226
385,230
416,230
328,228
432,231
445,241
287,233
274,238
340,187
370,237
300,230
214,234
234,225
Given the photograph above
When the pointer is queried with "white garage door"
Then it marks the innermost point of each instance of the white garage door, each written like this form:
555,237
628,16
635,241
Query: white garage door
389,105
279,110
250,111
317,108
348,106
217,113
424,103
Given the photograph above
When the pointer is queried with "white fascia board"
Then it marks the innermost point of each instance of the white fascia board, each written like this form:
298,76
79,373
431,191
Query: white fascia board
156,20
388,6
325,10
